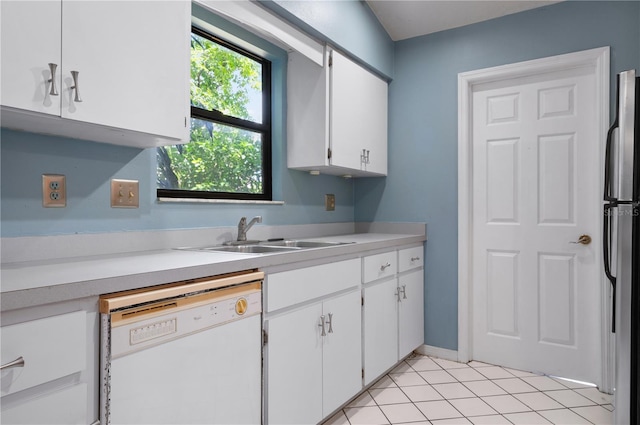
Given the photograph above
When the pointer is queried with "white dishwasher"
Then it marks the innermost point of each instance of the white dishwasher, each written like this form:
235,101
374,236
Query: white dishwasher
184,353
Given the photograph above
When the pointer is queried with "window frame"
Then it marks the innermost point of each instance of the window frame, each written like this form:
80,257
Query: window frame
215,116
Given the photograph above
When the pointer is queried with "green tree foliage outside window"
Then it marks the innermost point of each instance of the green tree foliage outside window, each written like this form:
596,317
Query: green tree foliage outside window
227,145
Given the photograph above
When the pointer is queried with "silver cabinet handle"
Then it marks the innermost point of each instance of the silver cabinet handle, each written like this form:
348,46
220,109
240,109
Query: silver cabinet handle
323,333
330,323
75,86
19,362
52,80
404,292
384,267
414,259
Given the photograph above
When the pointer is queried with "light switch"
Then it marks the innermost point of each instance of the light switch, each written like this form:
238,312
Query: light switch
125,193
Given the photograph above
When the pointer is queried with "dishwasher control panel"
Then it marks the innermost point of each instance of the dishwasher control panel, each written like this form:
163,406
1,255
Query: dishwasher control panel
185,319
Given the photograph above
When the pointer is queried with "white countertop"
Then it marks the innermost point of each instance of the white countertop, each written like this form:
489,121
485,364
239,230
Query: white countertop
32,283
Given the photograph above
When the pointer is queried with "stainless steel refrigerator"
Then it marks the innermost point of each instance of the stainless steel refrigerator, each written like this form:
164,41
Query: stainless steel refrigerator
622,242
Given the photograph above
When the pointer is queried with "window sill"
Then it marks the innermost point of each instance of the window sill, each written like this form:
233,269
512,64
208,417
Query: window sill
215,201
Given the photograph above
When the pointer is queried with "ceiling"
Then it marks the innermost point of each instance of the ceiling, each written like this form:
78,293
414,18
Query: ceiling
411,18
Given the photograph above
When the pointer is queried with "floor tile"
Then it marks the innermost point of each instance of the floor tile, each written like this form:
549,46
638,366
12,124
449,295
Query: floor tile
368,415
484,388
505,404
363,399
572,384
474,363
472,407
489,420
543,383
401,413
564,417
437,376
407,379
527,418
569,398
421,393
402,368
338,419
467,374
423,363
538,401
453,390
448,364
494,372
388,396
457,421
596,414
594,395
384,382
434,410
514,385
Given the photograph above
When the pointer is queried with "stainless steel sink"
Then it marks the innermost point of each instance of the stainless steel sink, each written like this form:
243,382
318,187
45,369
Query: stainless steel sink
251,249
303,244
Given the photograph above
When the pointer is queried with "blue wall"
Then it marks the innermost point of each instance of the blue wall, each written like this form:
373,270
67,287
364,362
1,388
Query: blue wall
423,128
346,24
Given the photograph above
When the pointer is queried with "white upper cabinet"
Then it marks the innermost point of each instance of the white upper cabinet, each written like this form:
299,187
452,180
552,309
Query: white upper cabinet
131,66
337,117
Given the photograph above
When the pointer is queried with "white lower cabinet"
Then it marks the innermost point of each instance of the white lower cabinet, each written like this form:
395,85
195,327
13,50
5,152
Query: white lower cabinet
313,354
44,365
393,311
311,375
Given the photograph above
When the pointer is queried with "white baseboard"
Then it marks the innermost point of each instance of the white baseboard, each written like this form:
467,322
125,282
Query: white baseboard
442,353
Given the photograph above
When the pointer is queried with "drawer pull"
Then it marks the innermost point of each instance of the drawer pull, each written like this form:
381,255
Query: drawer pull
384,267
52,80
76,86
414,259
19,362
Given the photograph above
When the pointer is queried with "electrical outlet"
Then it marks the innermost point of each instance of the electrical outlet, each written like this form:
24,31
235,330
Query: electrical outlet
125,193
330,202
54,191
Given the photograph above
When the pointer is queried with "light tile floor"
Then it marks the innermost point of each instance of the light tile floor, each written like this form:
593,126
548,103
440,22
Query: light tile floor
427,390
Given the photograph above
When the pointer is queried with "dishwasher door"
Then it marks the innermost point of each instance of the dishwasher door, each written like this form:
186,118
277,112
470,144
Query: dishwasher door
194,359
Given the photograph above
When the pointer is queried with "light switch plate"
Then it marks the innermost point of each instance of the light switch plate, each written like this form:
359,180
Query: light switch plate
125,193
54,191
330,202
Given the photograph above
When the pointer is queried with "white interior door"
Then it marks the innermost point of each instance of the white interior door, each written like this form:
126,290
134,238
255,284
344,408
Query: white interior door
536,190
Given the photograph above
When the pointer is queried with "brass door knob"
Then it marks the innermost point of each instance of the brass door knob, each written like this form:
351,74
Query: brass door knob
583,240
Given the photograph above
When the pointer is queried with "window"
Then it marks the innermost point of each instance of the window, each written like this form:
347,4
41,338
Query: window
229,154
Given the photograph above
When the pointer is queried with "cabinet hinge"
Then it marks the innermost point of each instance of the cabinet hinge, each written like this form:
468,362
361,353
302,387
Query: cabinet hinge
361,300
329,153
185,122
265,337
331,59
362,373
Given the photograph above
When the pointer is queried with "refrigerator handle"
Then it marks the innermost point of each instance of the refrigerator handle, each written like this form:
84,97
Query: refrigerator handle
609,147
606,245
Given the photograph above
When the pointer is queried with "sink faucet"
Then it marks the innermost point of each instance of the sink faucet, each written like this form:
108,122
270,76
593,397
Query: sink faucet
243,226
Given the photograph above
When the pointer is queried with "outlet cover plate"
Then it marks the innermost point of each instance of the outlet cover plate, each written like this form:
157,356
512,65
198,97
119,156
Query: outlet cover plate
125,193
54,191
330,202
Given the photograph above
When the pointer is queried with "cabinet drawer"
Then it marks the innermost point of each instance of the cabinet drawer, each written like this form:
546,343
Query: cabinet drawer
52,347
295,286
379,266
411,258
66,406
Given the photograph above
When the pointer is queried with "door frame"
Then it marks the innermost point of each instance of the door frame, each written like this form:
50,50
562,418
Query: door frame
467,81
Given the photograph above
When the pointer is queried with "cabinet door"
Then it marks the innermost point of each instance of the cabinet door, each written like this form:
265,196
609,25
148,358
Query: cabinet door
380,328
66,406
358,117
411,315
30,34
342,350
133,64
294,367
